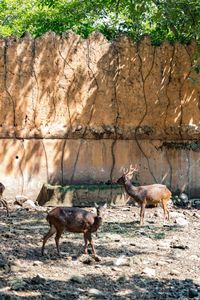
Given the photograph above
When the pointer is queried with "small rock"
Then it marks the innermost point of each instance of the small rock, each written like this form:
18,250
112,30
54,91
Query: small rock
195,203
20,199
174,272
178,245
77,279
125,208
29,204
177,201
38,279
116,269
196,215
37,263
122,261
149,272
123,278
95,292
181,222
97,266
79,127
183,197
161,263
192,293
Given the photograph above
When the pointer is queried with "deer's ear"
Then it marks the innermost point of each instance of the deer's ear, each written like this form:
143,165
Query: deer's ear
96,205
105,205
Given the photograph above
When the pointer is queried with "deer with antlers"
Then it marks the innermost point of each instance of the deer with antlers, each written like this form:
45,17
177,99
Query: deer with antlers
145,195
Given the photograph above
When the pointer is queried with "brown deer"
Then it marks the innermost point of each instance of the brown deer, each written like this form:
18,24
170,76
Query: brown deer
74,219
145,195
4,203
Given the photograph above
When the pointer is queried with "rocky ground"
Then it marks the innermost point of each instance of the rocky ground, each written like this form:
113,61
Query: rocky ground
148,262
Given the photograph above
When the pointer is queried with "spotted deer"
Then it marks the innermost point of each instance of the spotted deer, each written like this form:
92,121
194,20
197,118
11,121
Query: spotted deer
76,220
146,194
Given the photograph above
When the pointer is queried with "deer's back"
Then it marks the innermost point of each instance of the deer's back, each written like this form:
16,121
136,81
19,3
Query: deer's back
156,192
71,219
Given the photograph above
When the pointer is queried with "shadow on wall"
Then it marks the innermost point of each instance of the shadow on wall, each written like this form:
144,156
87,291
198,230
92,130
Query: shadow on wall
78,110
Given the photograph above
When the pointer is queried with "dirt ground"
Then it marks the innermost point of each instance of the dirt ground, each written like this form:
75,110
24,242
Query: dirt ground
136,262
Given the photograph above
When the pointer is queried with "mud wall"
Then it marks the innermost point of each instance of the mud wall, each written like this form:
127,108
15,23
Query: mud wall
75,110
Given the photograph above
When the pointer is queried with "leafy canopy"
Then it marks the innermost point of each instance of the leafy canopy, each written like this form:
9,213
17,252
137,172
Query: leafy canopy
161,19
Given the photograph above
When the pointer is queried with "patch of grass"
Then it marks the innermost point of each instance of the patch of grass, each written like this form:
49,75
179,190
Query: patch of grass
89,187
159,236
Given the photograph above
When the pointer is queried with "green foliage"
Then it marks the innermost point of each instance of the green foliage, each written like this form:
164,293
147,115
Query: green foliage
161,19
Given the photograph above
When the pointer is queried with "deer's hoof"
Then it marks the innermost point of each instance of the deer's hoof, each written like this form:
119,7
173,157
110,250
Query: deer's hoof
96,258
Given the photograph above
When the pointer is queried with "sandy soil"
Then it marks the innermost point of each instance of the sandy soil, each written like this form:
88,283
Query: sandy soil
148,262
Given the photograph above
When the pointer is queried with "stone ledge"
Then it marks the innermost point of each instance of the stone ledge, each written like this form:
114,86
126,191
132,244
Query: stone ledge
101,132
81,195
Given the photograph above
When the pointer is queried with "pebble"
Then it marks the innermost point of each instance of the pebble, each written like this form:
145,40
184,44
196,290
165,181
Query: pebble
178,245
116,269
37,263
174,272
181,222
192,293
149,272
161,263
77,279
95,292
195,203
122,261
20,199
38,279
29,204
164,245
123,278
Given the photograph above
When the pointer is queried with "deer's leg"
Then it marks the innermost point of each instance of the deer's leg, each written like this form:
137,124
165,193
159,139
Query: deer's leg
86,239
51,232
91,243
4,204
143,205
165,209
57,238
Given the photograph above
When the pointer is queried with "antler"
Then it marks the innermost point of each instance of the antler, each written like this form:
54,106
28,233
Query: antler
125,171
131,170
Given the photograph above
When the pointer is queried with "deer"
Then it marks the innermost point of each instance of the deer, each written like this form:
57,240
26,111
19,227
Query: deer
4,203
145,195
76,220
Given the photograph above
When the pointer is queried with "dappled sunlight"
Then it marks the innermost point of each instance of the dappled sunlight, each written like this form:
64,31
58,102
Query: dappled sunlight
77,106
126,252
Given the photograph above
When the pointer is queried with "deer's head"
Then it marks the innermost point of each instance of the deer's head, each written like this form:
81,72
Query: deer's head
127,174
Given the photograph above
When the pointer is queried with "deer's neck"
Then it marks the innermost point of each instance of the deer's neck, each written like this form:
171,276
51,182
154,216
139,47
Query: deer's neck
97,223
130,189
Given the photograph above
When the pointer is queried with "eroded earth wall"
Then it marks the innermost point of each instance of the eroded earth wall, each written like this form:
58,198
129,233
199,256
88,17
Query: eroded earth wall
78,110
